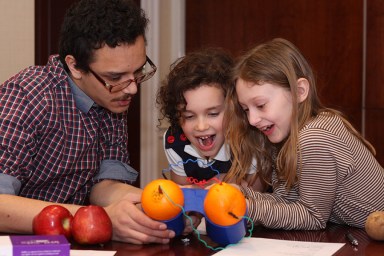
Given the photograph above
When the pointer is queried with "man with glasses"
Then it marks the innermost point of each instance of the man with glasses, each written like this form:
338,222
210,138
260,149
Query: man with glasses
63,126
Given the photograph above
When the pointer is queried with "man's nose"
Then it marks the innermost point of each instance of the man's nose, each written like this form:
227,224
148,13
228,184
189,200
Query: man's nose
131,88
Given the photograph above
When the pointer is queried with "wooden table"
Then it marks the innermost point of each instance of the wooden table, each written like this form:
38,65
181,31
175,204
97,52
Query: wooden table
333,233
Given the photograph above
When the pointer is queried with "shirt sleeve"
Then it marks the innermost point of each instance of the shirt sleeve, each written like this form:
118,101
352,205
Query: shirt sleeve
116,170
9,184
114,148
114,136
308,204
19,125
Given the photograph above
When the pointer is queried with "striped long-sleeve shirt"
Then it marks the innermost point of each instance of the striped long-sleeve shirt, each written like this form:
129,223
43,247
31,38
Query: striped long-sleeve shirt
340,182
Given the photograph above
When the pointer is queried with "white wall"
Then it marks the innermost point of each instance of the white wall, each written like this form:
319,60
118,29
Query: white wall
166,42
17,33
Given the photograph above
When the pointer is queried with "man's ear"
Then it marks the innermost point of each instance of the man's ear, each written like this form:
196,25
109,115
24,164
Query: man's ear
302,89
71,63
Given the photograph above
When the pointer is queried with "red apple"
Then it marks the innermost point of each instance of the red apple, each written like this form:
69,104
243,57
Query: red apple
91,225
53,220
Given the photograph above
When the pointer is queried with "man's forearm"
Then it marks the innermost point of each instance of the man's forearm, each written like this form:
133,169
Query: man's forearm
17,213
109,191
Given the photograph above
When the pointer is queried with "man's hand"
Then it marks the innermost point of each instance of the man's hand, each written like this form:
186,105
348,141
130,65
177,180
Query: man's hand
131,225
129,222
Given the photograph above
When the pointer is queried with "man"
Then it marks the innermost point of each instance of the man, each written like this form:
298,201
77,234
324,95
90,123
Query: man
63,126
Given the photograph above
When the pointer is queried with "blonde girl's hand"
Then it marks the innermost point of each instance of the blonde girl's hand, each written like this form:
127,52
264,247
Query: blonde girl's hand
196,220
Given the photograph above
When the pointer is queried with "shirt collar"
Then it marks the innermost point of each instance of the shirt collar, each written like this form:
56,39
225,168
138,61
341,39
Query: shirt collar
222,155
83,101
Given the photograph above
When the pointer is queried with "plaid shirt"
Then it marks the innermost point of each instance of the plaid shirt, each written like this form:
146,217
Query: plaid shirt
53,142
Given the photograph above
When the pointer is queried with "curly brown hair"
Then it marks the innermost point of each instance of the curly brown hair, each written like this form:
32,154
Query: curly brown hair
90,24
209,66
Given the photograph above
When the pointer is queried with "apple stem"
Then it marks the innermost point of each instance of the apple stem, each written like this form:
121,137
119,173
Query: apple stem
160,190
233,215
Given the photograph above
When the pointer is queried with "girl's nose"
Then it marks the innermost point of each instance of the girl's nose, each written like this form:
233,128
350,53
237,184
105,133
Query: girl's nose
201,124
253,118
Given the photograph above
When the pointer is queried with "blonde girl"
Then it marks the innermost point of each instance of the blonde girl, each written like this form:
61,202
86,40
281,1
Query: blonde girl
320,168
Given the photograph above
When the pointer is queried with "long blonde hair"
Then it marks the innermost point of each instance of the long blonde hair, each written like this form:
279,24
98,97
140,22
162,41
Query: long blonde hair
278,62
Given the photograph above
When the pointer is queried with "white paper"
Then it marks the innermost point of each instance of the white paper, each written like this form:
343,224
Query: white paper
273,247
91,252
201,228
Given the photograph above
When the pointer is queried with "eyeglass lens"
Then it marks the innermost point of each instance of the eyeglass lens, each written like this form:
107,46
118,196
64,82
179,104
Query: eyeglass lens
143,75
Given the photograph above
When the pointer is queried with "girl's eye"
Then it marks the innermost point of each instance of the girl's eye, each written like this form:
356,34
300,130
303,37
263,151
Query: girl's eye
261,106
187,117
213,114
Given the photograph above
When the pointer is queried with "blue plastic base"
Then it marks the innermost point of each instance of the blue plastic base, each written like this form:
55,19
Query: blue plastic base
222,235
176,224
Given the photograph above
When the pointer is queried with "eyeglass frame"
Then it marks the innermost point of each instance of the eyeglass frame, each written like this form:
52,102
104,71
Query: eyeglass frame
109,86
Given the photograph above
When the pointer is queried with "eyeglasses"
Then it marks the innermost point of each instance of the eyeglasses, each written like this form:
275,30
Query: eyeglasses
142,75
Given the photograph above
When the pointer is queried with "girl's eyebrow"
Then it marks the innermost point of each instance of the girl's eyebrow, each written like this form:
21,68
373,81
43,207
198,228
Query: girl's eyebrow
208,109
216,107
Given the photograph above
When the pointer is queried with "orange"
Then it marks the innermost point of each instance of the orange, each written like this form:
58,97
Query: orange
161,199
224,204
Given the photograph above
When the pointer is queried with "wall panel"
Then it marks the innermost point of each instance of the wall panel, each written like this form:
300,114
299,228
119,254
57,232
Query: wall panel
374,106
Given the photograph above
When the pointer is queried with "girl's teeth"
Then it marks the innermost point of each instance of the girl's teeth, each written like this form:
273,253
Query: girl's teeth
266,128
206,140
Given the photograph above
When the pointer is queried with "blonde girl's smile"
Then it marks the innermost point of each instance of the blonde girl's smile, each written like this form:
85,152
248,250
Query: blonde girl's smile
267,130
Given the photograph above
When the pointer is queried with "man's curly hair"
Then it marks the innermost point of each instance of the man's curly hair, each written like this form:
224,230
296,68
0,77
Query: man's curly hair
210,66
90,24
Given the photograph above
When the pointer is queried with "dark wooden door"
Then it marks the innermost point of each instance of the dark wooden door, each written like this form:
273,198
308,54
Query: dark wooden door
374,99
48,18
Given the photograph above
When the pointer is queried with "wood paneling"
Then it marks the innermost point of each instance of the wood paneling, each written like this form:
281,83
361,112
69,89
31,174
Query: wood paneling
375,54
329,34
375,77
374,131
48,19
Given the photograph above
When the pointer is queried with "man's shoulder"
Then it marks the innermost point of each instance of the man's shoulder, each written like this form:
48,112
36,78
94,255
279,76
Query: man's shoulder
37,80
